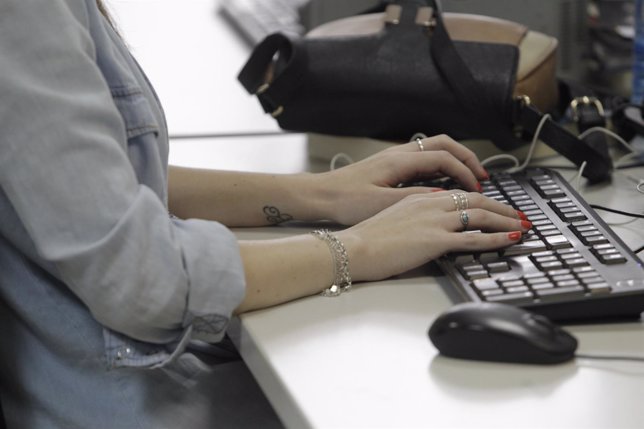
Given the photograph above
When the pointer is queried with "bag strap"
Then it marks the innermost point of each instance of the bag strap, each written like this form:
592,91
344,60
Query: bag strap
468,92
598,167
467,89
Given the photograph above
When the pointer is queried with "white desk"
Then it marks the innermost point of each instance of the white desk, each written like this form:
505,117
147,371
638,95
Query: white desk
364,360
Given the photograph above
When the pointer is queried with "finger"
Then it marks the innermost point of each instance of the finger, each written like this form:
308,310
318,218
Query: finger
476,200
484,220
482,241
463,154
446,143
433,164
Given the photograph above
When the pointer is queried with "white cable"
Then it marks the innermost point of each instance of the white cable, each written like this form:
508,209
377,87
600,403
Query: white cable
622,160
577,178
607,132
519,167
533,145
498,157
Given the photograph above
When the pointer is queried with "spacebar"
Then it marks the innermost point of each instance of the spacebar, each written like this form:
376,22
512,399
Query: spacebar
525,248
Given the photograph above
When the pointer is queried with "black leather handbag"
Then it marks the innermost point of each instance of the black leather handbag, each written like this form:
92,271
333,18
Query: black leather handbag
410,76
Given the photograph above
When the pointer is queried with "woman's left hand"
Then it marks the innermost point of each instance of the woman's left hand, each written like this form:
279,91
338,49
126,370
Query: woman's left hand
365,188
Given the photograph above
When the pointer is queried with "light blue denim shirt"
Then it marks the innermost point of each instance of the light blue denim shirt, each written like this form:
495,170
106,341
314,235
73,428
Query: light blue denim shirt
96,279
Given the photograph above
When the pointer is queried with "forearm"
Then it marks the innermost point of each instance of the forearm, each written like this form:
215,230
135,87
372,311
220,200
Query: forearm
282,270
245,199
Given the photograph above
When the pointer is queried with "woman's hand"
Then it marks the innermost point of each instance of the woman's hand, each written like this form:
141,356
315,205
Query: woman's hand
422,227
361,190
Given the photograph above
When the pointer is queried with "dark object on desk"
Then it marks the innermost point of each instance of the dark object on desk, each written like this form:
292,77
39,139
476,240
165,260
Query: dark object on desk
500,333
256,19
569,267
388,76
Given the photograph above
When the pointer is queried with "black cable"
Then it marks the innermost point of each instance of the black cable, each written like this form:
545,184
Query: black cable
596,207
636,251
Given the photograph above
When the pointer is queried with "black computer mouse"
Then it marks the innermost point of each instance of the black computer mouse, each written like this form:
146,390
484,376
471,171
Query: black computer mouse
500,333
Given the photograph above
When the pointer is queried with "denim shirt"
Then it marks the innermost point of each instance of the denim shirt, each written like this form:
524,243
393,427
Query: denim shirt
94,273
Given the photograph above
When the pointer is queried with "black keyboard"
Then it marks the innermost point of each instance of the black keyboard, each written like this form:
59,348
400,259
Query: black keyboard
256,19
569,267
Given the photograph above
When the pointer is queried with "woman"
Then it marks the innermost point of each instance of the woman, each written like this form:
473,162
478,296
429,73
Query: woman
114,313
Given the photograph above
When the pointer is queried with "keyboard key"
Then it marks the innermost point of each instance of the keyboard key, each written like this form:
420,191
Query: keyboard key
572,216
562,277
512,283
485,284
577,262
599,288
544,285
582,223
498,267
537,280
611,259
557,242
549,232
524,248
560,293
512,298
594,239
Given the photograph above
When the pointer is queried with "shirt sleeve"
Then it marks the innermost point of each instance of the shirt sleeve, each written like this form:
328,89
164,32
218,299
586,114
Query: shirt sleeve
65,170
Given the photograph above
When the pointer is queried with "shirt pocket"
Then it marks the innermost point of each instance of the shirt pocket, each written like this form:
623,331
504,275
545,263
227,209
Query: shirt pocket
135,110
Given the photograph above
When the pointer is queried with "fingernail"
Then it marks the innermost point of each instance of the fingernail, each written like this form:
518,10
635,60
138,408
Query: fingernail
515,235
486,175
479,187
522,215
437,190
526,224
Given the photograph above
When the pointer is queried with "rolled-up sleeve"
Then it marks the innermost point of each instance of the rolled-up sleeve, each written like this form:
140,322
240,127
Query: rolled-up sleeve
65,171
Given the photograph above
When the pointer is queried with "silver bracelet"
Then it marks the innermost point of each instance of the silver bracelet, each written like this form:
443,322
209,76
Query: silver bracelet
341,276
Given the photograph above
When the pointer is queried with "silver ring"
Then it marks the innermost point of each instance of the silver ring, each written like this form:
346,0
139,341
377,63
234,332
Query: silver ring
419,142
465,219
460,201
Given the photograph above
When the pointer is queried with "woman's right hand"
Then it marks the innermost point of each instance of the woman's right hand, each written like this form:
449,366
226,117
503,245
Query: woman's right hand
422,227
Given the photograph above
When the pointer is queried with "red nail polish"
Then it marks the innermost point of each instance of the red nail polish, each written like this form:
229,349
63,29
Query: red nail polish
526,224
437,190
479,187
487,175
522,215
514,236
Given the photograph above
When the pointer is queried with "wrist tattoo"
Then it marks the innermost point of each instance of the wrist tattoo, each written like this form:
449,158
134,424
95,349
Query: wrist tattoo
274,216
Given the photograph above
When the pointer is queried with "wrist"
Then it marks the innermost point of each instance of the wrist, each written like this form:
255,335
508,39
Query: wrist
318,197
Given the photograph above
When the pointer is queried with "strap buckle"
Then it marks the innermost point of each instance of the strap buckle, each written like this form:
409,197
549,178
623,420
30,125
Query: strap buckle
579,102
260,91
425,17
392,14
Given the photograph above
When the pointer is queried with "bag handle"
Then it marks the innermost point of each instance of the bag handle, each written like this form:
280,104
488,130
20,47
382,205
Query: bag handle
253,76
